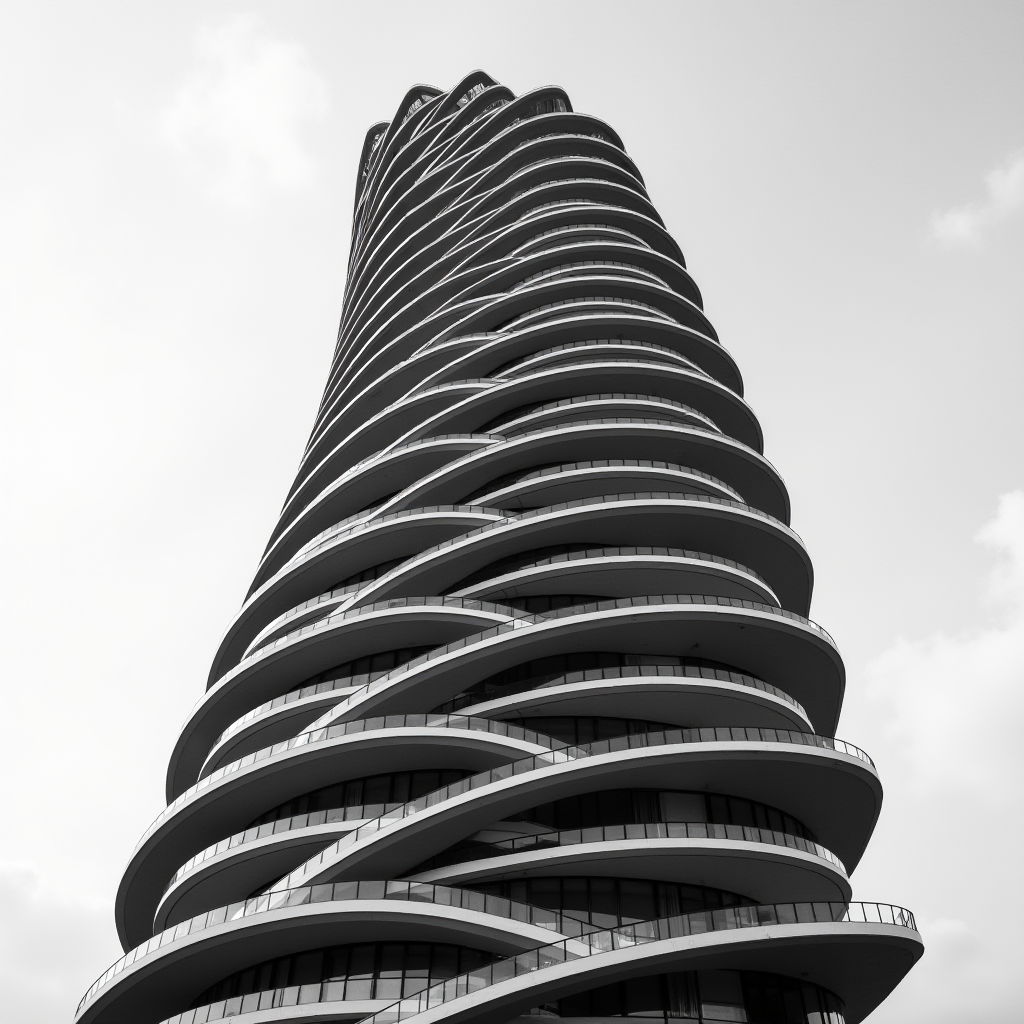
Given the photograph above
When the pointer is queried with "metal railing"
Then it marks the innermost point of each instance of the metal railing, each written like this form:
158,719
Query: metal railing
647,830
721,734
344,529
525,620
321,734
496,692
391,604
340,892
558,953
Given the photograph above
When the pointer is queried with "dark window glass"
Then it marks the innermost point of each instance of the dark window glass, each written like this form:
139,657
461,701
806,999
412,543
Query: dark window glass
366,971
637,901
681,996
532,674
719,807
417,961
741,812
711,996
608,902
355,671
446,961
394,788
391,960
308,967
374,572
643,806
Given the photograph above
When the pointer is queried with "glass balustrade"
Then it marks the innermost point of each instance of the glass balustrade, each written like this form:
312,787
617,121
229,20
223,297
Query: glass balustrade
394,603
508,520
311,819
632,551
675,467
563,755
584,268
559,753
341,529
615,235
558,953
623,833
341,892
339,593
525,620
498,691
514,427
360,725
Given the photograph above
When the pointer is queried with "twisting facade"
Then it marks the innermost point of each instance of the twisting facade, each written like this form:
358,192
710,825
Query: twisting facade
522,716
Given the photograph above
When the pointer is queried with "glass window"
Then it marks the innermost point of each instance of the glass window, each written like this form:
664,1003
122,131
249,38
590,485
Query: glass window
366,971
721,996
638,901
683,807
707,996
307,969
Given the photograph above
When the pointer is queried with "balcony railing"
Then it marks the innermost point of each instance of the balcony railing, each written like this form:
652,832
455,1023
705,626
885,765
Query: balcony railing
497,692
340,892
562,756
647,830
558,953
558,753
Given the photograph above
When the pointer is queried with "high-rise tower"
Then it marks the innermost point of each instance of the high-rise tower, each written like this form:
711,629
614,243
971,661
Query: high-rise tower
522,715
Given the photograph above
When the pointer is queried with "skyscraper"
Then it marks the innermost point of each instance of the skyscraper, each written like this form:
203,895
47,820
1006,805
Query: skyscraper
522,715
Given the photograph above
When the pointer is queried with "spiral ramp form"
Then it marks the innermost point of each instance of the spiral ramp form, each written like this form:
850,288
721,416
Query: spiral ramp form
522,716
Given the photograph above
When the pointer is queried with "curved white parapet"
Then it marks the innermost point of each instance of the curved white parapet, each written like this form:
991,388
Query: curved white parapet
523,715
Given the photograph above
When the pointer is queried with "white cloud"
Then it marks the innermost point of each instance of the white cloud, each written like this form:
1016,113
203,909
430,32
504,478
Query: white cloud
944,687
966,225
237,118
949,843
53,944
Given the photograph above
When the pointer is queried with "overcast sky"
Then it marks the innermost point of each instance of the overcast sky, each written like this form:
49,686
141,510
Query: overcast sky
847,183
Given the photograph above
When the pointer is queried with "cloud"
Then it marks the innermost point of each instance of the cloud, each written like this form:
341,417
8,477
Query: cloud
950,754
966,225
53,944
237,118
944,687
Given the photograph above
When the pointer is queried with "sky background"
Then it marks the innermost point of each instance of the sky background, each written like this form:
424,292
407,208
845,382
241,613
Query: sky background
847,183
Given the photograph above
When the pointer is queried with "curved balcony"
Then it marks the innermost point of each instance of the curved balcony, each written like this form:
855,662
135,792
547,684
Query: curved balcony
176,959
339,552
799,767
722,524
846,939
570,410
377,432
404,288
595,478
776,644
233,795
461,353
736,858
566,372
500,266
614,437
318,646
448,468
369,482
678,693
762,764
631,571
729,529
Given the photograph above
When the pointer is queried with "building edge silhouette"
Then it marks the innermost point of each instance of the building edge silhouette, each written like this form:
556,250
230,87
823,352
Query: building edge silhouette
523,715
